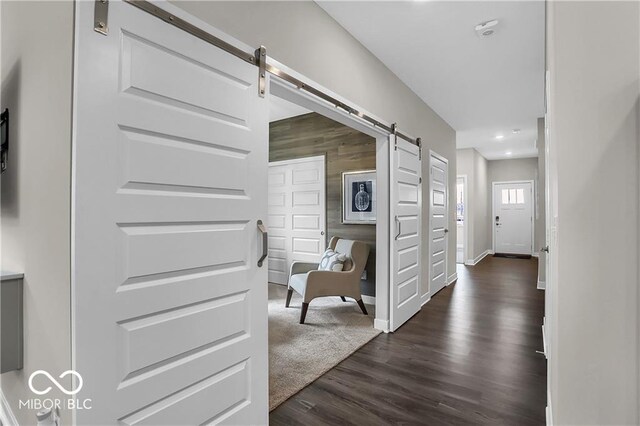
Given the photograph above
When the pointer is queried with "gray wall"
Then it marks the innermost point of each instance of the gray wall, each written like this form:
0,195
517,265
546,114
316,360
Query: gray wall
36,67
474,166
345,150
512,169
303,37
594,64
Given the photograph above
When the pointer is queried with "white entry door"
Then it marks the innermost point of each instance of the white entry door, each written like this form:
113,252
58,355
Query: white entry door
513,217
439,222
297,214
169,318
406,208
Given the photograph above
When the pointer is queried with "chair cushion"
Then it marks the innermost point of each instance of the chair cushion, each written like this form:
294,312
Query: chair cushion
332,261
298,282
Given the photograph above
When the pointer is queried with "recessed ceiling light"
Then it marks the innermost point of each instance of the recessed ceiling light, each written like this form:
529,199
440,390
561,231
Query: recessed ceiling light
499,137
487,28
516,131
508,153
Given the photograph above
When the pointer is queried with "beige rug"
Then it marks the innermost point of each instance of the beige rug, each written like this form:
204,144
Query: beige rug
300,353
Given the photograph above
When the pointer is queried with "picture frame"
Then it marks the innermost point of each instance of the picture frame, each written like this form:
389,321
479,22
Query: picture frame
359,201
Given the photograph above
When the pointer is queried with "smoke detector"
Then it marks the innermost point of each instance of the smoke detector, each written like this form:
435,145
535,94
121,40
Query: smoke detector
487,29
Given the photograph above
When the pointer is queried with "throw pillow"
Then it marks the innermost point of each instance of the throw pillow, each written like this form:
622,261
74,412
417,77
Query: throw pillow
332,261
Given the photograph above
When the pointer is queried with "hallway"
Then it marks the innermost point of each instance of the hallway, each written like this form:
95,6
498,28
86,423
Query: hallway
469,357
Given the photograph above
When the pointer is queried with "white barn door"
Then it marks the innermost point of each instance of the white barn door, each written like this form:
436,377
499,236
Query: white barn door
406,211
297,214
170,164
438,223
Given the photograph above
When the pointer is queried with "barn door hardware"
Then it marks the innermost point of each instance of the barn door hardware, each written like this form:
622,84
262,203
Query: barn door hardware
257,58
101,16
261,59
394,132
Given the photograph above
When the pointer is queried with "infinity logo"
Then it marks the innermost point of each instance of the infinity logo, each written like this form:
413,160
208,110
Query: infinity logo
55,382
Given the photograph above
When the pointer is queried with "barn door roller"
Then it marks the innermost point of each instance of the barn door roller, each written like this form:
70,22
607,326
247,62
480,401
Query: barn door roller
101,16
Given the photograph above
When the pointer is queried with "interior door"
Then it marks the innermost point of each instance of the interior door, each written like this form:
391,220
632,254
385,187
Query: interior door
170,164
297,214
438,224
406,208
513,217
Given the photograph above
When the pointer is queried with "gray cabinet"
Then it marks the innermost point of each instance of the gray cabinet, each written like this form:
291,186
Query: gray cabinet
11,327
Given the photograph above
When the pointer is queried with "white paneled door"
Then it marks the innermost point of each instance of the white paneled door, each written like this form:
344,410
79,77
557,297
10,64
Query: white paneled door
439,222
297,214
170,158
406,208
513,217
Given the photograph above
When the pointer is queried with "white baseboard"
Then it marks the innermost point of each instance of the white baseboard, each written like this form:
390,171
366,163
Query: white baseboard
369,300
452,278
472,262
548,410
7,418
544,340
541,285
425,298
382,325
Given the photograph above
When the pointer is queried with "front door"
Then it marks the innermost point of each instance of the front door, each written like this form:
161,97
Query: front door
297,214
513,217
170,159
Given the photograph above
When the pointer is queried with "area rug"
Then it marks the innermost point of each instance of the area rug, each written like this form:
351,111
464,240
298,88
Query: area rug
300,353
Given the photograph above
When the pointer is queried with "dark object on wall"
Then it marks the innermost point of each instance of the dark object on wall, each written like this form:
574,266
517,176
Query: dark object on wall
4,139
359,197
11,331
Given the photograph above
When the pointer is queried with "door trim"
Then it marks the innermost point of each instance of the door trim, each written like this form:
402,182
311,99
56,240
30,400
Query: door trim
465,219
446,209
493,211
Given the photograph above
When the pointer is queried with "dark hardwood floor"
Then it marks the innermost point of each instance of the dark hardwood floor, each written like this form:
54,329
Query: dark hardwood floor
468,357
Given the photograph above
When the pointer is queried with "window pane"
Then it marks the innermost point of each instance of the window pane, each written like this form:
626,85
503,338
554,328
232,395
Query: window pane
520,196
512,196
505,196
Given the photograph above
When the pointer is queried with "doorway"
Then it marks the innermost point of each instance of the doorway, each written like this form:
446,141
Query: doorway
513,218
461,214
322,186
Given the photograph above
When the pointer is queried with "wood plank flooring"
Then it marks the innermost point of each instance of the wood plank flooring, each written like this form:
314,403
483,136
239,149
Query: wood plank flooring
467,358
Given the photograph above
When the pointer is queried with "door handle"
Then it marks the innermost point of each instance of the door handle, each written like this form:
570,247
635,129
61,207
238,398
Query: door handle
545,249
399,227
265,242
446,230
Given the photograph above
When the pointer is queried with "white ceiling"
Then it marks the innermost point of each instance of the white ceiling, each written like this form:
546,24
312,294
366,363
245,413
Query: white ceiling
279,109
482,87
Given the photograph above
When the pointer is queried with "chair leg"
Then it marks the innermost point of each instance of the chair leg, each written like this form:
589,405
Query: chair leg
361,304
289,294
343,299
303,313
